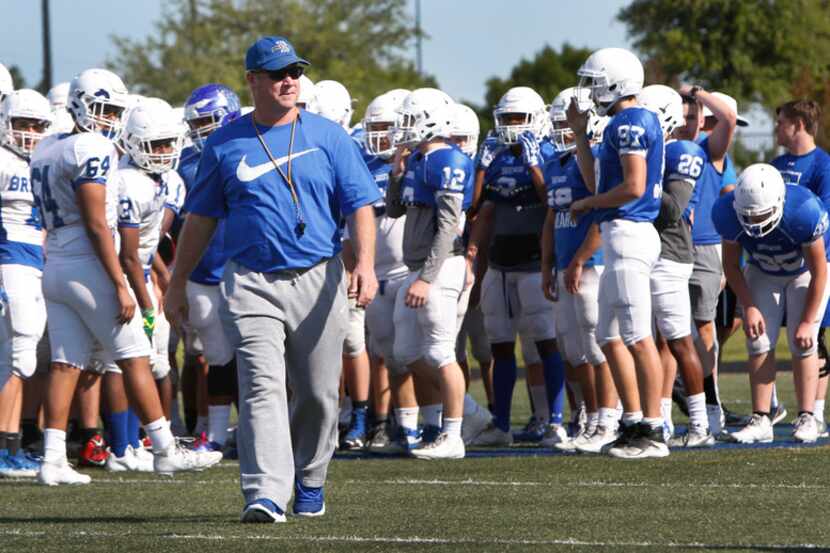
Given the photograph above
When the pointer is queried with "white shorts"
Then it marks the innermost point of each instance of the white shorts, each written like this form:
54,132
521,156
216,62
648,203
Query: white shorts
772,295
429,332
514,302
355,342
631,249
23,315
380,320
670,303
576,319
82,307
205,325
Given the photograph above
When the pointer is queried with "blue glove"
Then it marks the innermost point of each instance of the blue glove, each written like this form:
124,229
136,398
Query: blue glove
531,154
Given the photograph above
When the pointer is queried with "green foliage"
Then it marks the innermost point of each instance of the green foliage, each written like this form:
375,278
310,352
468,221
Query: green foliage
357,42
548,72
17,77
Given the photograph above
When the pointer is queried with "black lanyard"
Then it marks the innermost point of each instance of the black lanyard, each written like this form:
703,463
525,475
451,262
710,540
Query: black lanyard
299,230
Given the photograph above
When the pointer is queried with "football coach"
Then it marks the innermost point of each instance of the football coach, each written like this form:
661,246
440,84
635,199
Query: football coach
282,178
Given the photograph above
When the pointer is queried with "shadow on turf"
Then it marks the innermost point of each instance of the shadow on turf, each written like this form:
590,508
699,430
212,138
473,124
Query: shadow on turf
121,519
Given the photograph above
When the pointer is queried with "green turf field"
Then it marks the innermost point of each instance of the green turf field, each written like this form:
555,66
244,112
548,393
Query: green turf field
730,500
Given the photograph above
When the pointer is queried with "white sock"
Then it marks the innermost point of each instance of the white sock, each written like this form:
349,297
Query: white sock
54,446
432,414
160,435
632,418
470,405
609,418
407,417
697,411
665,410
818,410
654,422
202,424
452,427
593,419
219,416
540,403
774,399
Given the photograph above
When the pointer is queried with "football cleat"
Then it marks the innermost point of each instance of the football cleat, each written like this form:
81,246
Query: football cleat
94,452
54,474
626,437
444,447
176,458
779,414
758,430
18,465
355,436
308,502
493,436
144,459
430,433
379,439
262,511
822,428
805,429
404,442
474,424
125,463
598,441
554,434
693,438
645,443
533,432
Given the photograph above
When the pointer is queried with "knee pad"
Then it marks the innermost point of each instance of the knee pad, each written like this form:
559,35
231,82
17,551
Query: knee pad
221,380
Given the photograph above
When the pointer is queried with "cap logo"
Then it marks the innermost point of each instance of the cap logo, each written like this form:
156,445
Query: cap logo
281,46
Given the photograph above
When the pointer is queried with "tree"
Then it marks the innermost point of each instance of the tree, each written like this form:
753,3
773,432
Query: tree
360,43
767,52
548,73
17,77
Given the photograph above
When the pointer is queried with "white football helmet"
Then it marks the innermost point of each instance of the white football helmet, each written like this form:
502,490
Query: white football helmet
521,109
611,74
561,134
31,106
666,103
58,95
759,199
97,100
465,128
378,123
307,92
333,101
6,81
152,125
418,116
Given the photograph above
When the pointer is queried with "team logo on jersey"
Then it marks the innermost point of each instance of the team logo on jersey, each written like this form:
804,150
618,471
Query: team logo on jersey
562,197
281,46
247,173
790,177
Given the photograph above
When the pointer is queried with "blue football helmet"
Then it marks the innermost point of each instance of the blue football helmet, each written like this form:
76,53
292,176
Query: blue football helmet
209,107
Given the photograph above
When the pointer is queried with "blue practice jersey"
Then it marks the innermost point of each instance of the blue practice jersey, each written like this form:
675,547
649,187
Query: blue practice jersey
565,186
707,191
633,131
211,266
779,253
238,180
443,170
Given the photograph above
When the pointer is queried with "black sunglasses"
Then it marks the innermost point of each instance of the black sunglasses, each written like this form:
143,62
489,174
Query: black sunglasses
294,71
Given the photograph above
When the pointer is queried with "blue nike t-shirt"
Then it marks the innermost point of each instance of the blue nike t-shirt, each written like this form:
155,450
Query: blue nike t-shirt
237,180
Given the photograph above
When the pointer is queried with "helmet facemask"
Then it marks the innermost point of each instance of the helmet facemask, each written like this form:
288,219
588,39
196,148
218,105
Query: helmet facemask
21,137
378,138
147,155
102,117
511,125
759,223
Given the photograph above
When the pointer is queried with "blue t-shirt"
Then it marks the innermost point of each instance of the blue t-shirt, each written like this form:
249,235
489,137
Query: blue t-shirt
211,266
633,131
779,253
237,180
442,170
565,186
707,191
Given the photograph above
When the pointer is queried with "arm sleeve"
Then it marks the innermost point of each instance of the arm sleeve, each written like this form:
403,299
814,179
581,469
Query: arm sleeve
355,186
448,209
207,198
675,199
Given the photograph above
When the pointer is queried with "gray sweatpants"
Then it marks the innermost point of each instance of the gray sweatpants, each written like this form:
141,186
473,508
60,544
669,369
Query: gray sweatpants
286,329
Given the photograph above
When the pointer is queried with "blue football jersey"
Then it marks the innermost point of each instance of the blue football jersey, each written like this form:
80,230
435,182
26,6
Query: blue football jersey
706,192
443,170
779,253
565,185
211,266
379,168
685,161
636,131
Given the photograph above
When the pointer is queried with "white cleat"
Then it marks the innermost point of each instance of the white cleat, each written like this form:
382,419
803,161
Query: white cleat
493,436
779,414
55,474
125,463
595,443
177,459
758,430
695,437
144,460
822,429
805,429
475,424
554,434
444,447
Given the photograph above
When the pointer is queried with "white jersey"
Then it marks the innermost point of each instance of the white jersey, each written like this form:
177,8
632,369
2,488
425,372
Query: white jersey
59,164
175,191
21,240
142,200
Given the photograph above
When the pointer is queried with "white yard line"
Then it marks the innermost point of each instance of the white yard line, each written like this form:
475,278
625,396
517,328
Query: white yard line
589,484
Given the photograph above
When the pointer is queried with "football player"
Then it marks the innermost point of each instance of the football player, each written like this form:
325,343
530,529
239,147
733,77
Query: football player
670,276
432,189
87,295
628,185
6,82
57,96
781,227
207,108
25,118
806,164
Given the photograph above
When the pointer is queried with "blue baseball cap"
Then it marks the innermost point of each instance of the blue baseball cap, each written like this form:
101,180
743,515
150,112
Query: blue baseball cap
271,53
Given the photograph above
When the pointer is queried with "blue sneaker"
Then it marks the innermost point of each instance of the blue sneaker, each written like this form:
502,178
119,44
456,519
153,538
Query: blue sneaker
14,467
262,511
355,437
308,502
430,434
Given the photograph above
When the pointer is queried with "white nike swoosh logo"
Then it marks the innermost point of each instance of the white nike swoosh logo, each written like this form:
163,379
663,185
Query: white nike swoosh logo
246,173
